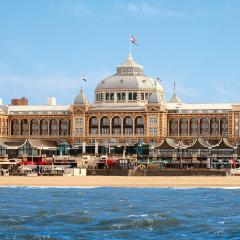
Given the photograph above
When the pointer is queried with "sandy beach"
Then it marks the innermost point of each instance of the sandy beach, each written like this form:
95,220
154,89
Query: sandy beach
119,181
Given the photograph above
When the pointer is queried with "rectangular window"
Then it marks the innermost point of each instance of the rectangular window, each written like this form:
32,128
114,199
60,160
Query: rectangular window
78,131
78,121
153,130
153,120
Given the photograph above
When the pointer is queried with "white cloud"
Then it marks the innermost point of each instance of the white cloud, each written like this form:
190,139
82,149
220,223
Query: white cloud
223,91
77,9
150,10
81,10
38,88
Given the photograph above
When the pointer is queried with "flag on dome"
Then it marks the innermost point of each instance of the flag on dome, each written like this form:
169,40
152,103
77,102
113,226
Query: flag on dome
84,79
133,40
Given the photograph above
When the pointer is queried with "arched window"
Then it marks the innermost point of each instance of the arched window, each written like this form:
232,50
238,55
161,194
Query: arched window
63,127
119,96
93,125
128,125
194,126
111,96
139,125
123,96
14,127
24,127
107,97
142,96
53,127
146,96
183,126
130,97
34,127
204,126
116,125
134,96
214,126
173,126
44,127
224,126
105,125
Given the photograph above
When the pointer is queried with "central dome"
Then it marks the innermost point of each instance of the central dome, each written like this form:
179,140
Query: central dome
129,84
129,76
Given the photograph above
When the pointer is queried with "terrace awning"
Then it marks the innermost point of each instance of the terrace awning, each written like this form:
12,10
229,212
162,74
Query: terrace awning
200,143
168,143
223,144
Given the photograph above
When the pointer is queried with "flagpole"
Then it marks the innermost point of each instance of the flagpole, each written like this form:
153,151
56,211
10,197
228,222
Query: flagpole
130,45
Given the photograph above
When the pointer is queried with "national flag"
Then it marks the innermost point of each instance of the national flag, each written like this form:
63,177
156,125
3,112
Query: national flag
158,79
133,40
84,79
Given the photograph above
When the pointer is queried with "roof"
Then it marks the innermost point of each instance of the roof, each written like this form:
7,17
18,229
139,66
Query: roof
36,143
38,108
13,143
155,98
200,143
81,98
131,82
175,99
43,144
199,106
3,109
129,76
130,62
223,144
168,143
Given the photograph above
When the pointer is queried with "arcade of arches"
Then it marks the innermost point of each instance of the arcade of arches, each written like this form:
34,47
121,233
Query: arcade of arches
116,125
198,126
42,127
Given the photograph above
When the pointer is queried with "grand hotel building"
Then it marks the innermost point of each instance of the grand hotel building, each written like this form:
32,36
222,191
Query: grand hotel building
128,107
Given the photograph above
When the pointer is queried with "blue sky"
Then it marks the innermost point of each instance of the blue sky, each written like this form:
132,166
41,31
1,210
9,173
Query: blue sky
45,46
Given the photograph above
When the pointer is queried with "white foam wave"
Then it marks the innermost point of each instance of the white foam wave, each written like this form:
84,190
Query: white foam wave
47,187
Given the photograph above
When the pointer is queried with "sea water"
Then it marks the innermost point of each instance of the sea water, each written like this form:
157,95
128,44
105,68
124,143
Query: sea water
119,213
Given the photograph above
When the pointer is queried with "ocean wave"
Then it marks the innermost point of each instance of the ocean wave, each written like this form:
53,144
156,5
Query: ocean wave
47,187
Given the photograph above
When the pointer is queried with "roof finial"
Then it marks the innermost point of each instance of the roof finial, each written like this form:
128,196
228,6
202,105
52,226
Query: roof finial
174,88
175,98
130,56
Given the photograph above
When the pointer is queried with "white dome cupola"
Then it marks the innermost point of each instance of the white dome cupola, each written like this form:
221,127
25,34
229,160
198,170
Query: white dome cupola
81,98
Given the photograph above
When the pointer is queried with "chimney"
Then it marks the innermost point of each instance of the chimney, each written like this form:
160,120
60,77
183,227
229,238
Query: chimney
21,101
52,101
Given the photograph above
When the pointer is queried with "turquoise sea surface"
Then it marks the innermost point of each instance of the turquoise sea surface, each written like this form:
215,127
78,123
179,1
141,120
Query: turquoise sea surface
119,213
